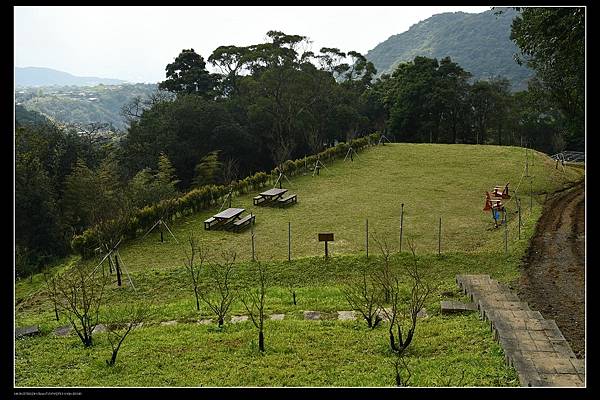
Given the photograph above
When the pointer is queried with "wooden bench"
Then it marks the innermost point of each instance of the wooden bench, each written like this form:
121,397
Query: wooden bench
247,220
292,198
209,222
258,200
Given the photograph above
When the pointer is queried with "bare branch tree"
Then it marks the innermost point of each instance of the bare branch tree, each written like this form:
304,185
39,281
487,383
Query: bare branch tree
132,110
281,149
79,293
384,275
403,316
400,364
52,291
220,276
254,302
230,170
362,297
198,252
120,324
292,289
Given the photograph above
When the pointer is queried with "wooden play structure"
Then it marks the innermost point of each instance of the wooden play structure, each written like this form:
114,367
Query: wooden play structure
493,203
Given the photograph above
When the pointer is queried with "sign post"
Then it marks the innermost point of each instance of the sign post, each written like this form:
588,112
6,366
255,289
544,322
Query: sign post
326,237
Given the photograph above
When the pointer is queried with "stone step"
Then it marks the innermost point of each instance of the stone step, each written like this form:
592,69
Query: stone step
534,346
451,307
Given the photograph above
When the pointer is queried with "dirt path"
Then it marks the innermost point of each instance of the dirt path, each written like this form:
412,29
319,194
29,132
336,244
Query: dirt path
553,275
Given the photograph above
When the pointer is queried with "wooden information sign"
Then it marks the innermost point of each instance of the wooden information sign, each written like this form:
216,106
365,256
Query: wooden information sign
326,237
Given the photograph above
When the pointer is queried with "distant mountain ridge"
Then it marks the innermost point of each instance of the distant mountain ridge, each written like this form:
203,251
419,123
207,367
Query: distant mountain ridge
479,43
39,76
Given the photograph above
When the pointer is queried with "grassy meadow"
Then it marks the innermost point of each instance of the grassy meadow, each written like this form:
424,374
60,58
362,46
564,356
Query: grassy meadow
431,180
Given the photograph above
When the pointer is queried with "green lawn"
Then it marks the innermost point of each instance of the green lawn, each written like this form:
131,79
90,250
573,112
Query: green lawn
431,180
298,353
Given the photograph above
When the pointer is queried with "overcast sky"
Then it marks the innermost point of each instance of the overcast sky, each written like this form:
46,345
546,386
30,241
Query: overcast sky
136,43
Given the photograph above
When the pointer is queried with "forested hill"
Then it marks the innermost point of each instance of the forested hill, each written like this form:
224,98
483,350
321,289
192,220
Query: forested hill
83,105
480,43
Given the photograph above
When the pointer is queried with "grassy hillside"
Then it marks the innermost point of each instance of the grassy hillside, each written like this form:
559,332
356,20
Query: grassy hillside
430,179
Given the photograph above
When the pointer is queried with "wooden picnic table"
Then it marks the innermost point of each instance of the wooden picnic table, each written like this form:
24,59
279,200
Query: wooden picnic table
229,214
273,194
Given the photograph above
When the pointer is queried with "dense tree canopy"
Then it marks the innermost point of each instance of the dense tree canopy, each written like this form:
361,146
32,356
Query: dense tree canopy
553,43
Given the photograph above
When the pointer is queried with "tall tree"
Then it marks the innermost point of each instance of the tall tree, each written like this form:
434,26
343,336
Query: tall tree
188,74
552,40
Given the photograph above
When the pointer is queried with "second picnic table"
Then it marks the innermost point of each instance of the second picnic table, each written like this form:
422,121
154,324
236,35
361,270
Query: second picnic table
269,195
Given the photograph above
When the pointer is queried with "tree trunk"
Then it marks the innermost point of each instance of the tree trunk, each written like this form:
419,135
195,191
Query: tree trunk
261,341
113,359
392,341
294,296
220,322
197,302
118,271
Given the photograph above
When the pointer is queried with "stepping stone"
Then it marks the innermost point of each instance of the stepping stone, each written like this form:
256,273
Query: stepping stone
205,321
63,330
239,318
451,307
277,317
27,331
100,328
167,323
312,315
346,315
422,313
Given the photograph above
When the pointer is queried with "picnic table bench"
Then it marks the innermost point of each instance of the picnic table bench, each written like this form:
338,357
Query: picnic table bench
244,222
292,198
209,222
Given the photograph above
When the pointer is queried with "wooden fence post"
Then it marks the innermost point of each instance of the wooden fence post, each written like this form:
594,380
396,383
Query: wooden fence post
440,238
506,233
252,229
519,212
401,223
367,238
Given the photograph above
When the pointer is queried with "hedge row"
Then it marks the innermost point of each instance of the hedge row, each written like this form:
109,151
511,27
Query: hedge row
205,197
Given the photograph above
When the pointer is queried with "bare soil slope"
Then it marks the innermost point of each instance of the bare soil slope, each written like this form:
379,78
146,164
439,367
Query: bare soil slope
553,275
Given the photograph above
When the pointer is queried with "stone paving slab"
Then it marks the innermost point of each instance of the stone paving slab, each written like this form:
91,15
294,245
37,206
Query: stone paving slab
63,330
312,315
27,331
205,321
239,318
168,323
346,315
277,317
534,346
